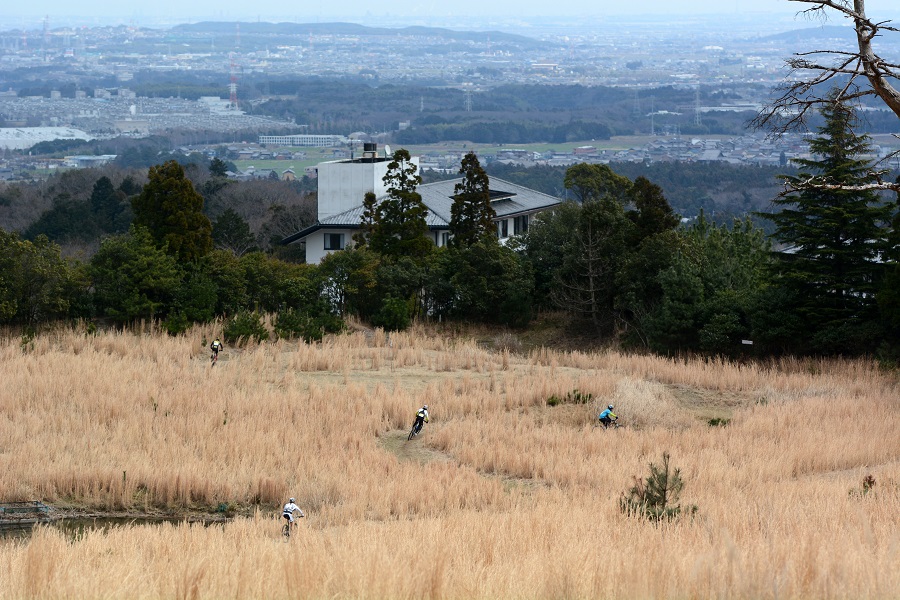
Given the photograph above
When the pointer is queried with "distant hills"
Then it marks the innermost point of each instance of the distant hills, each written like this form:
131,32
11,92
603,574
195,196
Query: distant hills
827,32
298,29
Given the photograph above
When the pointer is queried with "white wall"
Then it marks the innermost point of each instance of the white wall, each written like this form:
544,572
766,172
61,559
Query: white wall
315,244
342,185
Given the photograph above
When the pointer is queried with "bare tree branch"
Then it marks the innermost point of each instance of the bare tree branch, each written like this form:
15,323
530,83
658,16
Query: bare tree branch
800,94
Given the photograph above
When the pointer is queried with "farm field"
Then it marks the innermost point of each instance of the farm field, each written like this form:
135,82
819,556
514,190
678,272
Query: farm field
318,155
501,496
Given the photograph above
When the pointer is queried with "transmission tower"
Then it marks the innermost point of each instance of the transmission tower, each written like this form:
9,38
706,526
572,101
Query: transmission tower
697,119
232,85
46,39
468,100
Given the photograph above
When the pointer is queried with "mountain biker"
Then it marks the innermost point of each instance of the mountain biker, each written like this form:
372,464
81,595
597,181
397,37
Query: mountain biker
215,347
421,418
288,511
607,416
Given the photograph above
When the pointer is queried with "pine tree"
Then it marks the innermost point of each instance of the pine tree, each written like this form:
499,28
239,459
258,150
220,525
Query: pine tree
656,497
105,204
401,228
471,215
172,211
832,238
369,220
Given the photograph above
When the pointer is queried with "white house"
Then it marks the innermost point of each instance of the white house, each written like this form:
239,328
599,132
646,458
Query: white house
343,184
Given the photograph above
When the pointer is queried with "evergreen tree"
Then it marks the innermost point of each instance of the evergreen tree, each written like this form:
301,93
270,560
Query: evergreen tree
595,252
652,213
132,277
471,215
171,210
36,283
833,237
106,204
369,220
401,229
656,497
592,182
231,232
218,167
889,295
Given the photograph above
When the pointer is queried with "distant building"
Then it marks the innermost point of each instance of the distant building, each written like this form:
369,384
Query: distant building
342,185
88,160
22,138
303,139
141,127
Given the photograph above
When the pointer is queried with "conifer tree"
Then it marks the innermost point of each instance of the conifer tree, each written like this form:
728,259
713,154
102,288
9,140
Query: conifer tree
656,497
369,220
833,235
105,204
172,211
401,228
471,215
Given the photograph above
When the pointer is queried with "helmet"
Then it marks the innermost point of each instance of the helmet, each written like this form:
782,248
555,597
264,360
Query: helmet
610,407
292,500
425,407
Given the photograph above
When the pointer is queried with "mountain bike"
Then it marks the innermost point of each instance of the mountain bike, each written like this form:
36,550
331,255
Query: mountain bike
613,425
415,430
213,359
287,527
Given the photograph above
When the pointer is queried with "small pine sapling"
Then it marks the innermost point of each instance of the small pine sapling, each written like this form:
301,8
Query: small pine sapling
656,497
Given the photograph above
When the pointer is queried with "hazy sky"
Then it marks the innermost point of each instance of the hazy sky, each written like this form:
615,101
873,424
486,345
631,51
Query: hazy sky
60,11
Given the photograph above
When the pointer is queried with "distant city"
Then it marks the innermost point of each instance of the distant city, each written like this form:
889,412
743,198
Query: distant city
102,82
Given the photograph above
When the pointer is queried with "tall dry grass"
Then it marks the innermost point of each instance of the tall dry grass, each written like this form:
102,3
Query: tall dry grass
522,502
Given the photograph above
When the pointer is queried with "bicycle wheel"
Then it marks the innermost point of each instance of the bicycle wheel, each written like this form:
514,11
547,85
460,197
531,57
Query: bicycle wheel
286,530
412,433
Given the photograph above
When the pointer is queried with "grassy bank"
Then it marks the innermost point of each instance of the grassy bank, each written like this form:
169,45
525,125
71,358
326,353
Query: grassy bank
502,495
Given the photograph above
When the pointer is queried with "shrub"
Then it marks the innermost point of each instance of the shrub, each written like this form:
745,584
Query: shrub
394,315
507,341
293,323
245,325
573,397
868,483
656,497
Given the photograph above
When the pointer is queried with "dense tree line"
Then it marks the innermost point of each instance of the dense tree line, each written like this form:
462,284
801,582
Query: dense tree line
615,256
616,259
505,132
722,191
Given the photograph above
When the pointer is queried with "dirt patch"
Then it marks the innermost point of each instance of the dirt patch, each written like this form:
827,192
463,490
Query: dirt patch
416,449
708,404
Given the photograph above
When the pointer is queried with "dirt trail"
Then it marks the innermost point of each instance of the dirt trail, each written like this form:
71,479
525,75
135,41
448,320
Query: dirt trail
709,404
396,443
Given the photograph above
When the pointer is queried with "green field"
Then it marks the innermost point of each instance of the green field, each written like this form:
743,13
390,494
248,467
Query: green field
317,155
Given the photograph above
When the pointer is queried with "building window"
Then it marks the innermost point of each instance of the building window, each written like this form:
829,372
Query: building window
445,237
334,241
520,225
503,229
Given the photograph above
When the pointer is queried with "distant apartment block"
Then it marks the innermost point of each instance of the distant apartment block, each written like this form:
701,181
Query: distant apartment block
303,139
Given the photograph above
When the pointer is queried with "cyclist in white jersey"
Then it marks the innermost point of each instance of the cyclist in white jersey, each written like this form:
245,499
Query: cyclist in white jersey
288,511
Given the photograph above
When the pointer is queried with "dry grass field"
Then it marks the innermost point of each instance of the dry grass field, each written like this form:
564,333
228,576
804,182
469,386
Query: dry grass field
502,496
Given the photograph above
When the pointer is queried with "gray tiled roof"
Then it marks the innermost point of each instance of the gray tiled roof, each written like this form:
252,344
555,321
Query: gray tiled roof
511,200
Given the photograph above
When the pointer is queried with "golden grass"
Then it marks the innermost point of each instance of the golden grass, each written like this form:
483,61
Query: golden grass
522,504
